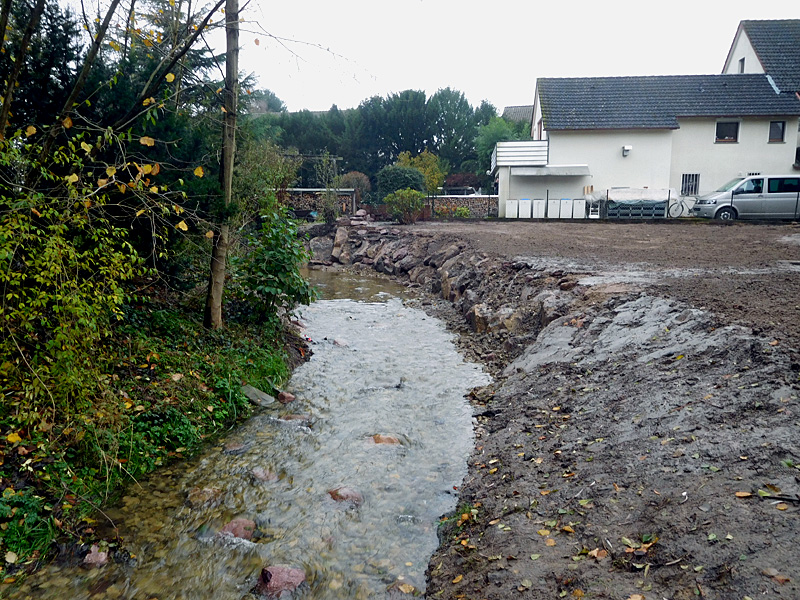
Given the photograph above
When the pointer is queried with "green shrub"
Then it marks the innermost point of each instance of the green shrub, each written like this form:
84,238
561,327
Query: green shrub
405,205
394,177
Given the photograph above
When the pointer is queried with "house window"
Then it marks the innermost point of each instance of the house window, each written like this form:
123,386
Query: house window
741,65
777,131
690,184
727,131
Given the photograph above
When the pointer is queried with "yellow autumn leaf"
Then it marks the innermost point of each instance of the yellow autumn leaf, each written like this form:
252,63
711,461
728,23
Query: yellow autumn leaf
147,141
549,542
182,226
72,178
148,101
178,210
170,77
458,578
13,438
110,171
156,169
114,45
209,234
139,213
67,123
154,189
30,130
87,203
199,172
147,169
102,182
86,147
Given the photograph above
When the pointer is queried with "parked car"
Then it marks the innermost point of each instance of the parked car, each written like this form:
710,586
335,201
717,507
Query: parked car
753,197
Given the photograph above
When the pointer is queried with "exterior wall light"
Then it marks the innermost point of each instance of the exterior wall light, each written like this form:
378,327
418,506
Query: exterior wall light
626,150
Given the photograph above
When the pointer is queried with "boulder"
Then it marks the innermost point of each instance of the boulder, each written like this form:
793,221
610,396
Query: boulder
279,580
478,317
321,248
239,528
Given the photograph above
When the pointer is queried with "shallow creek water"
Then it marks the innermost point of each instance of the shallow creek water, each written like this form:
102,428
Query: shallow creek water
378,367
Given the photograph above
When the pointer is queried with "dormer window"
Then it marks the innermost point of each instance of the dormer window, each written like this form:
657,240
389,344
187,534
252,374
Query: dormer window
741,65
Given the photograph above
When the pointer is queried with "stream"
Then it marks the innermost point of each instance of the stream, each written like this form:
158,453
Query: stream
380,414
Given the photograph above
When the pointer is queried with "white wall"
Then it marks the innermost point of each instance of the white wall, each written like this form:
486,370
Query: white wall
694,151
549,186
742,49
647,164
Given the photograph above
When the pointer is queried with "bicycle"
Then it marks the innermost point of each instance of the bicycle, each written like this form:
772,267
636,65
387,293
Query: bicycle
678,208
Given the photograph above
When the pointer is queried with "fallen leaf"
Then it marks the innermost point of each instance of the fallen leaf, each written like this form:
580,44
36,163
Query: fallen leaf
458,578
406,588
13,438
770,572
773,488
176,377
782,506
11,557
773,343
544,532
743,494
568,529
549,542
536,556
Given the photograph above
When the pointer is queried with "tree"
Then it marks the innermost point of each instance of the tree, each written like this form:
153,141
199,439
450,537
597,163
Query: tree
452,126
394,177
405,127
433,169
497,130
359,182
213,312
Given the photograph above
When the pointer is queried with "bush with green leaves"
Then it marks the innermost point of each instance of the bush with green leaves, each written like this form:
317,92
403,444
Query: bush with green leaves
405,205
395,177
268,272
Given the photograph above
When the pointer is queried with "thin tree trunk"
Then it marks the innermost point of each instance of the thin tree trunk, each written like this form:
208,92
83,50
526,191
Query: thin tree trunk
213,311
19,61
4,12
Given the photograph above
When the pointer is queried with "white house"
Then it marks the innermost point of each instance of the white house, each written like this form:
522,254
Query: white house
689,133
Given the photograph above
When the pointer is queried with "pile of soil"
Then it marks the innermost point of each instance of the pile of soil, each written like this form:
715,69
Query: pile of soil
640,438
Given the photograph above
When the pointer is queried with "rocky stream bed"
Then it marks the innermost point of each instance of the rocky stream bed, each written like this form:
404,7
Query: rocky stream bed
635,443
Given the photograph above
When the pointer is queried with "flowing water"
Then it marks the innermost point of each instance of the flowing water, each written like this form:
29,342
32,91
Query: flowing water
378,368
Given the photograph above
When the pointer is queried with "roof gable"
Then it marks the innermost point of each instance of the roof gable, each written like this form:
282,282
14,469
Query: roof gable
518,113
656,102
777,45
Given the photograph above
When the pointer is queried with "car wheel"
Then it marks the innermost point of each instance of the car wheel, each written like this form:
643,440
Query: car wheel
726,214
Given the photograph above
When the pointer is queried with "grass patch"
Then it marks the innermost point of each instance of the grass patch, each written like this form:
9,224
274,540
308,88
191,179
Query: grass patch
164,386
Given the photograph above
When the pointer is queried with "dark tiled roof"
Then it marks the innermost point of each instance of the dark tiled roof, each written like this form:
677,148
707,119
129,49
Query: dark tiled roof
518,113
777,44
657,102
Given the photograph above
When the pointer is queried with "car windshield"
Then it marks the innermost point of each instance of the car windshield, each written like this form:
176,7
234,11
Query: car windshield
730,185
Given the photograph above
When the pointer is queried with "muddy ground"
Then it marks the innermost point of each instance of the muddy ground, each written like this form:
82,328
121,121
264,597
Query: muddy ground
642,436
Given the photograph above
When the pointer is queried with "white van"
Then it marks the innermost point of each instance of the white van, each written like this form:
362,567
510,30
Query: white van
753,197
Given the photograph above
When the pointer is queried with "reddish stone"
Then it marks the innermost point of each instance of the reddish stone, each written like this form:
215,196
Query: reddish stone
277,579
95,558
295,417
263,474
285,397
385,439
235,448
240,528
344,494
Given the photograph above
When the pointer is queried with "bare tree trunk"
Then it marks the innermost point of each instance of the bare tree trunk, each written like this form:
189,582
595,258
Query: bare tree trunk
4,12
19,61
216,283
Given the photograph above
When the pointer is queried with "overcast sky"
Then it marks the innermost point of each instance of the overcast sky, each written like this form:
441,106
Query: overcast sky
344,51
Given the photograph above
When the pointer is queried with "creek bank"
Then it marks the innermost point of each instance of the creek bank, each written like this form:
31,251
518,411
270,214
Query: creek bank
631,444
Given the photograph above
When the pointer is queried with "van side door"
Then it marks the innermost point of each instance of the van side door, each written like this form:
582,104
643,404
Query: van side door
782,197
748,198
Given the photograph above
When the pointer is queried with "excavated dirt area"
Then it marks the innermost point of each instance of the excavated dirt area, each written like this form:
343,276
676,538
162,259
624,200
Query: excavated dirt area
646,443
642,435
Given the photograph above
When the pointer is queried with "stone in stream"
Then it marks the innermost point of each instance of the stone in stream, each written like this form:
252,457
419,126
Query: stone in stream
198,496
264,474
235,448
285,397
275,580
384,439
256,396
95,558
240,528
345,494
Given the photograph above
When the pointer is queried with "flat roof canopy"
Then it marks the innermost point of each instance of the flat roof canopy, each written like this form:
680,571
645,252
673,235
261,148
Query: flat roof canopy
552,170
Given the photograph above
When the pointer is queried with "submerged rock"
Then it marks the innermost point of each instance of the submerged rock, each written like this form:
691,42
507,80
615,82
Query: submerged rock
345,494
235,448
95,558
384,439
240,528
256,396
198,496
279,580
264,474
285,397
